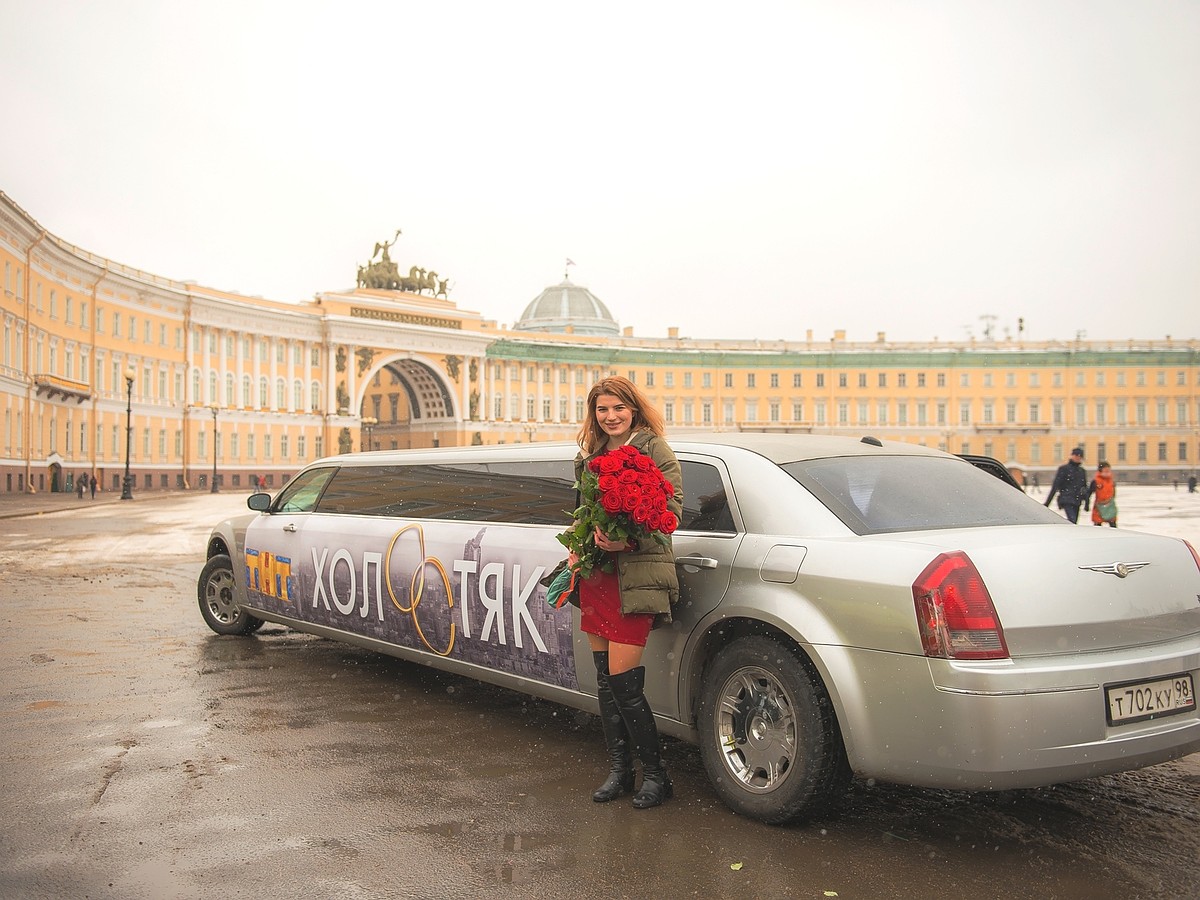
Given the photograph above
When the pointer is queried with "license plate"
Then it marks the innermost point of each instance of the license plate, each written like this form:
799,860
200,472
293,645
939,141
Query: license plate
1137,701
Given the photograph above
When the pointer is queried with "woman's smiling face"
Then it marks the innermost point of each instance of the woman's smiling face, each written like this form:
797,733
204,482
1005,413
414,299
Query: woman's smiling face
614,417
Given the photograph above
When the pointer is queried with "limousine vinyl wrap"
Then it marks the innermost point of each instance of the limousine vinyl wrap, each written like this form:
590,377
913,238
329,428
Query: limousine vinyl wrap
458,590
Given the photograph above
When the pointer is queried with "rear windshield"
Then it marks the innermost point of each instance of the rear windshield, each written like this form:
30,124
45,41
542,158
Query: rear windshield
881,494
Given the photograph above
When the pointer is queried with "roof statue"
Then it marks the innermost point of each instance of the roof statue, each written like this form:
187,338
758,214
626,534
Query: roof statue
382,274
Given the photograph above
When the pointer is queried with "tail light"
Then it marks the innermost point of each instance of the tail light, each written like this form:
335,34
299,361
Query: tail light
955,613
1195,555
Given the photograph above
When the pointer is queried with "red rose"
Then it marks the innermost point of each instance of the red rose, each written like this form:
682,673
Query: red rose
630,501
643,463
628,476
611,502
654,521
669,523
594,464
608,482
609,464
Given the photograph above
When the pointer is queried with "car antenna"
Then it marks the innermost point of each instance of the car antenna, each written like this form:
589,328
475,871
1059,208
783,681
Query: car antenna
873,441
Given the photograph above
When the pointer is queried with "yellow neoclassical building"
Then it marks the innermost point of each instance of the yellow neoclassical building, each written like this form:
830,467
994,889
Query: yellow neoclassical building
105,366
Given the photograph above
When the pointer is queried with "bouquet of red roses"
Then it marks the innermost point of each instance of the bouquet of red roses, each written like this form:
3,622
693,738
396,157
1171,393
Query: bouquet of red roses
625,494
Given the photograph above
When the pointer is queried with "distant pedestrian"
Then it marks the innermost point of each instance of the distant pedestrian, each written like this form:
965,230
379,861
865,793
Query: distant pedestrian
1191,484
92,485
80,486
1070,484
1037,484
1104,487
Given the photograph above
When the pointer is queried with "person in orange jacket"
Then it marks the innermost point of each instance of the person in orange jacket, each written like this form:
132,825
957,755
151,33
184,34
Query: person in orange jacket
1104,509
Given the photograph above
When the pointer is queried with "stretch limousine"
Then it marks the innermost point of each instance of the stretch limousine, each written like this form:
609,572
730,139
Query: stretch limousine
847,607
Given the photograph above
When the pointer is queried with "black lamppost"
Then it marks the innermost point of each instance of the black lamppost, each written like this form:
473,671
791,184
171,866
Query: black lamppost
368,424
127,483
215,409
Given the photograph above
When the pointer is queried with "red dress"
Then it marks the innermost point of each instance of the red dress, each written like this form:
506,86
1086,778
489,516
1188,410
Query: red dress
600,611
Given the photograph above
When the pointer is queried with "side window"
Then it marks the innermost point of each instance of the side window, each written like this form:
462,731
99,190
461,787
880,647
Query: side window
302,494
532,493
705,505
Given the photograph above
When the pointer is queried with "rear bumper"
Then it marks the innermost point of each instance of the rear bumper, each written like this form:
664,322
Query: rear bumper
1012,724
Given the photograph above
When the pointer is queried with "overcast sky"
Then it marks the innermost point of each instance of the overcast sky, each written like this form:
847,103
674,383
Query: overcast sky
736,170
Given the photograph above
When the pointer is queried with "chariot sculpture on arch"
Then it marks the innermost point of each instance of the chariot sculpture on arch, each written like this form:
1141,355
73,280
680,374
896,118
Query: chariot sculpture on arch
382,274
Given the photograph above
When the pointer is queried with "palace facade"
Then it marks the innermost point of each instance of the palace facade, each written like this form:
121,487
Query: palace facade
104,365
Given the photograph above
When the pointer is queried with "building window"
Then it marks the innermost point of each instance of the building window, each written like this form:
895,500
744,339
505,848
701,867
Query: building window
774,379
687,379
902,379
669,411
820,379
749,379
797,380
841,379
669,379
920,379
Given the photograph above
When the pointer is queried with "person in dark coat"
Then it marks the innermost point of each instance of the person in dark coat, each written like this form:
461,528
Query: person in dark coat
92,486
1070,484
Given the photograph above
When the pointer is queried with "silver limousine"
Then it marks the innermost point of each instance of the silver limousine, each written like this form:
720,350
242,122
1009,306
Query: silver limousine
847,607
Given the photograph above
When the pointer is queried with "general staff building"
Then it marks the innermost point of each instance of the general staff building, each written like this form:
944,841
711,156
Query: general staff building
105,365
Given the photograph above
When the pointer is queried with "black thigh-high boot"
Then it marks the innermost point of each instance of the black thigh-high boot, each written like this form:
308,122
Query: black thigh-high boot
616,737
628,688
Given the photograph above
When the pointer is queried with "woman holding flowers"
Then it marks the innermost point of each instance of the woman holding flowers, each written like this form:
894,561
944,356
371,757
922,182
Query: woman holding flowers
632,492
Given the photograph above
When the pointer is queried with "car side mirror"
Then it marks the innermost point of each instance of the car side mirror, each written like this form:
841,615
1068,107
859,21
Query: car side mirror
259,502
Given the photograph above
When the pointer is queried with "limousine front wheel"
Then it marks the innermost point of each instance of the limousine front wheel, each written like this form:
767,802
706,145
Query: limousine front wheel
768,736
218,602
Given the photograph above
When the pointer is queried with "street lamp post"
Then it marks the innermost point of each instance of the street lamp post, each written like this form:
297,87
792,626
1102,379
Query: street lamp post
368,424
215,409
127,483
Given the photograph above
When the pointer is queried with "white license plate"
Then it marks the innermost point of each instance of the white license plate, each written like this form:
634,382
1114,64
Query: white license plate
1138,701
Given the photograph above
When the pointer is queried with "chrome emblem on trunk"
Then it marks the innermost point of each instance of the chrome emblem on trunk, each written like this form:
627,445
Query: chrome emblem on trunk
1120,569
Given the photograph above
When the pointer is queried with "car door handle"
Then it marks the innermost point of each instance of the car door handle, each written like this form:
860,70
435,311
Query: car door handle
290,526
697,562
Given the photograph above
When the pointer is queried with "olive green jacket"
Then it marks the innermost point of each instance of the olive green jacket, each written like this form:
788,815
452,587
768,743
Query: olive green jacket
647,576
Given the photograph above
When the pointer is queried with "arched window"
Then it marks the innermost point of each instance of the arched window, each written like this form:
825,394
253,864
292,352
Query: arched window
297,395
264,393
196,386
247,390
212,387
229,392
280,394
316,396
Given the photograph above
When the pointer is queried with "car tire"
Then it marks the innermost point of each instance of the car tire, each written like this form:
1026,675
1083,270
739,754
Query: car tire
218,600
769,738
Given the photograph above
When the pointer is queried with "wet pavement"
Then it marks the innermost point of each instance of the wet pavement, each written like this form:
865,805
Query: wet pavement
144,756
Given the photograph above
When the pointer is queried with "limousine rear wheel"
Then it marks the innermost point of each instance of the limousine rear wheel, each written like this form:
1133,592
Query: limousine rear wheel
218,601
768,736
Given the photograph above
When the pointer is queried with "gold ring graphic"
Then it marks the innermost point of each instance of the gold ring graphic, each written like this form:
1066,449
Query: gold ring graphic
417,586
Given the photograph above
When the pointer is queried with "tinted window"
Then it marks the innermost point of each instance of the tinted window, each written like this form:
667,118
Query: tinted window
302,494
705,505
536,493
878,494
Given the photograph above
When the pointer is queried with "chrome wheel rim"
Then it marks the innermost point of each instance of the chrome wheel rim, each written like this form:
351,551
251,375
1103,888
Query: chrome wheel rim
756,729
218,597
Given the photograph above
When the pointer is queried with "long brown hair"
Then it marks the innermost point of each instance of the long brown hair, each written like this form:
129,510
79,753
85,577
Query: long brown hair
591,436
